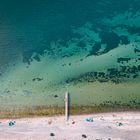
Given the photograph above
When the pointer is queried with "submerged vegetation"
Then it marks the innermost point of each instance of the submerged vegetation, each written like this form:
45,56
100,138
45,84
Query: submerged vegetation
88,47
106,106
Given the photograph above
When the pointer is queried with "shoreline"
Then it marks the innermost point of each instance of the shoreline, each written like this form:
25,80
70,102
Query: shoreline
40,111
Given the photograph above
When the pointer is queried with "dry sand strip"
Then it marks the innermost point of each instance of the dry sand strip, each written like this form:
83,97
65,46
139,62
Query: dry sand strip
103,126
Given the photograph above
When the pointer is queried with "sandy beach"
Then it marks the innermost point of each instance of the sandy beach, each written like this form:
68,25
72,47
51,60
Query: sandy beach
102,126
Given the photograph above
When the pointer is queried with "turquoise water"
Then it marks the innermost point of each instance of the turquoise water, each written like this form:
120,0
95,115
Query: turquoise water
87,47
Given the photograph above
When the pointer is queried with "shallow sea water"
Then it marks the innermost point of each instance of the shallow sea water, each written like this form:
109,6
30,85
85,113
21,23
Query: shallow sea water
90,48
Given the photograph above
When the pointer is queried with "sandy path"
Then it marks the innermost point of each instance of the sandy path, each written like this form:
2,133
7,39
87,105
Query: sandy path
105,126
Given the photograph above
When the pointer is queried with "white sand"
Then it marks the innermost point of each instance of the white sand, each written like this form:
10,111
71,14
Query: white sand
103,127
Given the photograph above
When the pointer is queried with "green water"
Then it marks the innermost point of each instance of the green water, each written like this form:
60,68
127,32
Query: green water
89,48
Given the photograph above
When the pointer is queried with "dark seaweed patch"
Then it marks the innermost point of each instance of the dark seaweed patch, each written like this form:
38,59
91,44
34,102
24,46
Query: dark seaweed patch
136,50
67,55
134,103
101,74
121,60
63,65
135,76
81,44
124,40
138,67
123,68
113,75
55,96
112,71
133,29
111,39
96,47
69,64
36,57
37,79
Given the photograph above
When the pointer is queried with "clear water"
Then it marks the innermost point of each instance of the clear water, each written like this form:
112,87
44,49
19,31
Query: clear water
87,47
